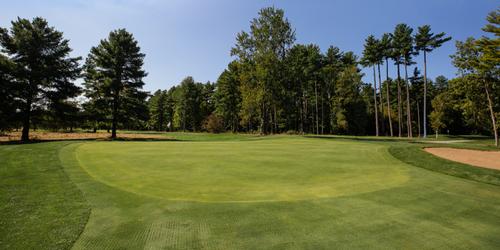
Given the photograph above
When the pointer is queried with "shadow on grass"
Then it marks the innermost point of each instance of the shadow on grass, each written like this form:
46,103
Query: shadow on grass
33,141
366,139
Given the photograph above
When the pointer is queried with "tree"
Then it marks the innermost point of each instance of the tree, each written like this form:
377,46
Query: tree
437,115
262,51
8,103
480,80
403,49
426,41
114,73
387,52
488,67
228,97
371,58
441,83
41,65
348,106
188,100
157,110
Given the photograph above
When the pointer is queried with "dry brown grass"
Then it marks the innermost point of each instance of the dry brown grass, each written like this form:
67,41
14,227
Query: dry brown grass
57,136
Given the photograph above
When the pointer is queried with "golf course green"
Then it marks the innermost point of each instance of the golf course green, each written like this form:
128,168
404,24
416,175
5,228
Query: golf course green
276,192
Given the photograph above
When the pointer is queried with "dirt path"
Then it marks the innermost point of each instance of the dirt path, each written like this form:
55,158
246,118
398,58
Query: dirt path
485,159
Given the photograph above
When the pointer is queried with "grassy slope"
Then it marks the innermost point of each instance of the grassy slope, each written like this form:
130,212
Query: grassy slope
40,208
430,210
414,155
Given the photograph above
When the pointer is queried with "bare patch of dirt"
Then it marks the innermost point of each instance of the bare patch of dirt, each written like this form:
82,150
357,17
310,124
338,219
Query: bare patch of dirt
485,159
57,136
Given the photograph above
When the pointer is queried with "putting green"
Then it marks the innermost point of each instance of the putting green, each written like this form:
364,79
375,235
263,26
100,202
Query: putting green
232,171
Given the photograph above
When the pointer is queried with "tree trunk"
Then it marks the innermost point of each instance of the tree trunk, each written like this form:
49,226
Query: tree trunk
408,111
400,120
115,116
25,136
322,113
317,116
388,96
425,95
375,100
418,117
381,100
492,114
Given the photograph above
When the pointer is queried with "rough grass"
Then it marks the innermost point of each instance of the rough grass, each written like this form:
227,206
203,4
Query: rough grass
40,208
426,210
416,156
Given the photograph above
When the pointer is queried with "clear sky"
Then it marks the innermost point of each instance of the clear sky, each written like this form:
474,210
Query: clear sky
187,37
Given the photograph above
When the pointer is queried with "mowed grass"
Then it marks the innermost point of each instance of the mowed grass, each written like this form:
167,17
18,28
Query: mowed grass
283,192
233,171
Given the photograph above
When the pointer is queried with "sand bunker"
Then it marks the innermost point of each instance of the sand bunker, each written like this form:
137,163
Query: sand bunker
485,159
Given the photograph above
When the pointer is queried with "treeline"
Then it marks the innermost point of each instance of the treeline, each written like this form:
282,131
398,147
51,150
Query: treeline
273,85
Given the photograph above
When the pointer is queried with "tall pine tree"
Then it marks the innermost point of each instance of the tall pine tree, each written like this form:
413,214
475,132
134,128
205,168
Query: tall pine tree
114,73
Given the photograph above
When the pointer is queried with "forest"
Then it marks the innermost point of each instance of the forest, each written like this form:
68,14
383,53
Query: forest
272,85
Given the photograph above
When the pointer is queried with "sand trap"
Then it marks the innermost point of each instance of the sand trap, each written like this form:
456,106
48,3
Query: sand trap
485,159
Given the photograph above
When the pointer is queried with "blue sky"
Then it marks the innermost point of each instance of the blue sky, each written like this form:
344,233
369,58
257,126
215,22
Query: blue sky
187,37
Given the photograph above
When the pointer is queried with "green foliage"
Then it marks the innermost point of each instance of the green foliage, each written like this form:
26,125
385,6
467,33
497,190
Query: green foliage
8,103
41,68
157,110
227,97
113,77
427,41
262,52
348,106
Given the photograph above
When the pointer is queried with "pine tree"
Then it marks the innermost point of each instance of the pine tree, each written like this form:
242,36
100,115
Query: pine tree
387,52
370,58
426,41
403,50
228,97
41,62
114,73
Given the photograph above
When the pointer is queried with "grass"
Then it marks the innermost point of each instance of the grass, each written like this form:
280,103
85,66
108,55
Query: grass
414,155
248,192
40,207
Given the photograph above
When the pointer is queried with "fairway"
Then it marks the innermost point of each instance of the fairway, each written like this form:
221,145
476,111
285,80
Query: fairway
232,171
276,192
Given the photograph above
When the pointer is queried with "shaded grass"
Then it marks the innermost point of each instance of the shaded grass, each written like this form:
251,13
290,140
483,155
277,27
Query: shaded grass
40,207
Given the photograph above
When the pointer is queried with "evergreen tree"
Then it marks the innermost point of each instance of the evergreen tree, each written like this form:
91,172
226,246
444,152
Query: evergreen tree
114,73
157,110
370,58
403,51
348,105
426,41
41,65
228,97
386,51
8,102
